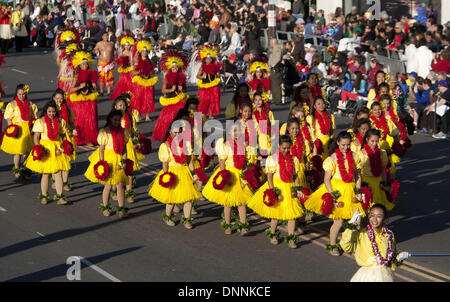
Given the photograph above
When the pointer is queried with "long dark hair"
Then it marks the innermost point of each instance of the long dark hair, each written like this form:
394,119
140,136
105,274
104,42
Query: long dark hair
236,93
359,123
112,114
359,111
313,111
20,87
124,97
369,133
357,81
47,105
191,100
374,83
296,96
61,92
342,135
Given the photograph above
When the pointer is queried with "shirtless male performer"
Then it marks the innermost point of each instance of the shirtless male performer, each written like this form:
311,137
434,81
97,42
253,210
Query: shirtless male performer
105,52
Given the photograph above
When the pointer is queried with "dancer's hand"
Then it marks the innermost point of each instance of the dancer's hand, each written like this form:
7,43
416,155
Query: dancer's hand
356,218
403,256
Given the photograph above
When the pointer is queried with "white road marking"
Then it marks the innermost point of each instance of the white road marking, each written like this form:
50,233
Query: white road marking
2,209
99,270
19,71
40,234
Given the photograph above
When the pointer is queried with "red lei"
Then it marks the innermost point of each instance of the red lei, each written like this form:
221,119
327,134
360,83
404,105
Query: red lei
346,177
286,166
126,118
179,159
52,128
297,147
262,115
238,160
305,132
375,160
63,113
324,122
315,91
24,108
359,138
118,137
381,124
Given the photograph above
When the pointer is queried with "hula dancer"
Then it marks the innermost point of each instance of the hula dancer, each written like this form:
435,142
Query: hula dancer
373,246
373,162
361,127
389,132
129,123
83,99
17,139
265,116
143,81
278,198
47,156
208,82
226,186
65,113
173,88
322,127
336,197
66,46
125,67
109,165
258,80
174,183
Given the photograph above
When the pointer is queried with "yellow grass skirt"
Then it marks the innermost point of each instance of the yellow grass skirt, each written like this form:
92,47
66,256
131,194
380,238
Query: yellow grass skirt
314,202
133,155
20,145
51,163
116,176
379,196
233,194
182,191
288,208
375,273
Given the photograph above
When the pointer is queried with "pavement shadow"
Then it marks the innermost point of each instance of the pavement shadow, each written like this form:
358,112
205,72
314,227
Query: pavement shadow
61,270
423,204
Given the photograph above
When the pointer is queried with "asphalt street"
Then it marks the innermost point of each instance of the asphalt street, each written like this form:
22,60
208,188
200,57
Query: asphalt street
37,240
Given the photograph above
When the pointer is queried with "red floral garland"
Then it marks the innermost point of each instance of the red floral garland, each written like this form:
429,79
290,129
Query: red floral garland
263,115
398,149
179,159
118,137
286,166
201,175
346,177
251,178
52,127
226,177
67,147
127,121
395,188
167,184
319,146
129,167
12,130
270,197
31,123
24,108
324,122
381,124
101,175
368,197
38,152
238,160
305,132
375,160
327,205
63,113
146,145
306,192
359,138
297,147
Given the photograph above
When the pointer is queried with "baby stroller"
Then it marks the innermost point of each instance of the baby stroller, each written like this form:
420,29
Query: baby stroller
229,74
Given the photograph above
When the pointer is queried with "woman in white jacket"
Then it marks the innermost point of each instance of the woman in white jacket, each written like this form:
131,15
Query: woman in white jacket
424,57
410,56
235,42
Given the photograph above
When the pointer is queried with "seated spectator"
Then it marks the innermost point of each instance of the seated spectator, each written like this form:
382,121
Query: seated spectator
422,91
441,63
